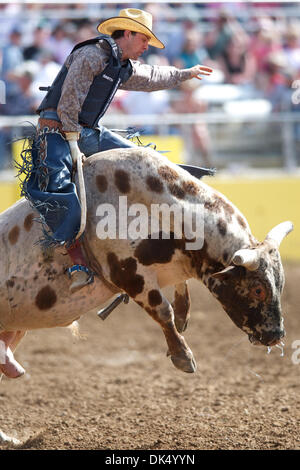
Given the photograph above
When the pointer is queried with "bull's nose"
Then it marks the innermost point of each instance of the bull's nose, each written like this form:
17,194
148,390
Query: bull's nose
273,337
267,338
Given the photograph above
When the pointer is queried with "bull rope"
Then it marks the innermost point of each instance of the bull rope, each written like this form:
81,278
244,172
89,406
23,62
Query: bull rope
82,197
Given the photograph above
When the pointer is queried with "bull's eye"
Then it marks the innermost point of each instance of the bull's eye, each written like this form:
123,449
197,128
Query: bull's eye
258,292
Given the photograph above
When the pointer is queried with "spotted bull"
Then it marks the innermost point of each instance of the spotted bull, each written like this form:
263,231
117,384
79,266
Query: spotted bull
245,275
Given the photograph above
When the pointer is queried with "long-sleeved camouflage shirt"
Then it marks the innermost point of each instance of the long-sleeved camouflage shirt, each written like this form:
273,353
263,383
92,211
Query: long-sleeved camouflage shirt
88,61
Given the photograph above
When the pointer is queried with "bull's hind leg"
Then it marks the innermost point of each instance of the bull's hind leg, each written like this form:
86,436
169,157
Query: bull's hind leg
161,311
8,364
181,306
8,440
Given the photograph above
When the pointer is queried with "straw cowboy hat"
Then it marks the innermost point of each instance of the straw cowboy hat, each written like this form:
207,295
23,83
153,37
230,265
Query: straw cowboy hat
131,19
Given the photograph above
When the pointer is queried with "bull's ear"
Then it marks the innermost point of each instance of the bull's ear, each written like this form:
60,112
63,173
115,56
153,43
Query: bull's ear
225,273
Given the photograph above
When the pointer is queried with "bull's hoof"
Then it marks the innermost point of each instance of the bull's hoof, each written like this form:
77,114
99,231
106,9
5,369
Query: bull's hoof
8,440
185,363
181,324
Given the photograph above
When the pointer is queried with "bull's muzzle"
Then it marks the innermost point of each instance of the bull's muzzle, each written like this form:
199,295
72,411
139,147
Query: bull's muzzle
267,338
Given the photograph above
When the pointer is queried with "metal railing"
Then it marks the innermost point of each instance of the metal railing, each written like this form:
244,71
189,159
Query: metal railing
279,132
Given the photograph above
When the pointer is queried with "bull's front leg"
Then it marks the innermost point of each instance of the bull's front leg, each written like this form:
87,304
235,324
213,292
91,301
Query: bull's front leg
140,283
181,306
160,309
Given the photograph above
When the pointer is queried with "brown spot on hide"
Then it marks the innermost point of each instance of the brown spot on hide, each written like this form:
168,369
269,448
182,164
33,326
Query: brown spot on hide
212,205
123,274
190,188
14,235
45,298
222,227
154,297
28,222
160,251
154,184
101,183
217,203
168,174
226,206
241,221
176,191
50,273
202,262
122,181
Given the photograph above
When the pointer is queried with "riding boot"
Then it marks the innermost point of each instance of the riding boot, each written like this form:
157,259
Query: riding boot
79,272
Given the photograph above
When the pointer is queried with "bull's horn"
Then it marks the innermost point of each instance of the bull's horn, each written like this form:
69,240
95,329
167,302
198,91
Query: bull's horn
278,233
247,258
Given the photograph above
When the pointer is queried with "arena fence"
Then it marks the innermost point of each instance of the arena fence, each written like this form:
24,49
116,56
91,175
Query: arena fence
253,140
265,196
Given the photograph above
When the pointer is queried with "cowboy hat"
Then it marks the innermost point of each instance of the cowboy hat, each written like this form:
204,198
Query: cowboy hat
131,19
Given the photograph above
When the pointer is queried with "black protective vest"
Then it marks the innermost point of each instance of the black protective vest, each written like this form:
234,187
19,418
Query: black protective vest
102,89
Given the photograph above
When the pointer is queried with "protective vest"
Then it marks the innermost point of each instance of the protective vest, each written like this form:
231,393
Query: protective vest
102,89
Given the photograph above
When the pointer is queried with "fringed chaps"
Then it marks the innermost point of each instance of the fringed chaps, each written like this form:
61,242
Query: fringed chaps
47,171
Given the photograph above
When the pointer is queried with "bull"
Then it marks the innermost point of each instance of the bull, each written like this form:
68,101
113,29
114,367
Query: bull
245,275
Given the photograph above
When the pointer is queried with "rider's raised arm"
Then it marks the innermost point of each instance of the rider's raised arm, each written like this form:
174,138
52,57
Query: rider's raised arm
147,77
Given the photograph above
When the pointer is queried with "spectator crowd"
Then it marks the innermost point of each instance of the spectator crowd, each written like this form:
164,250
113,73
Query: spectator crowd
260,56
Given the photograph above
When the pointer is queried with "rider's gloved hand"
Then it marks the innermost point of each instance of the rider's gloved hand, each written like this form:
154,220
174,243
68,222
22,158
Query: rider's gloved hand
72,138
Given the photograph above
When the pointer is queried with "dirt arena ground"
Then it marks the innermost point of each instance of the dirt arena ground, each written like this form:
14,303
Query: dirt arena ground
116,389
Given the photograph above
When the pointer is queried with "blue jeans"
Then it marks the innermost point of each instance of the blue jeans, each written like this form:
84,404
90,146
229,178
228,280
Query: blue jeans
97,140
